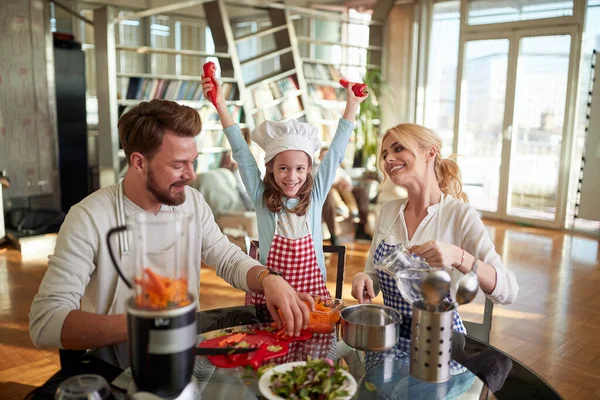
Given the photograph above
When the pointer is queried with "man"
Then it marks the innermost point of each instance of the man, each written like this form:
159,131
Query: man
79,304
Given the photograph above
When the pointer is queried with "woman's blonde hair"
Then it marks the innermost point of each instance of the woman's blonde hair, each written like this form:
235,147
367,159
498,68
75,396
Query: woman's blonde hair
273,195
415,138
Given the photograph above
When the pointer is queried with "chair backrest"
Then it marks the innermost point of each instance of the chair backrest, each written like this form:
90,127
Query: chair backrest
482,330
341,263
69,357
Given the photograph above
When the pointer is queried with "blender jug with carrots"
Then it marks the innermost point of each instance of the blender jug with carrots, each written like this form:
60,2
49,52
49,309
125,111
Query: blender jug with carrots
161,311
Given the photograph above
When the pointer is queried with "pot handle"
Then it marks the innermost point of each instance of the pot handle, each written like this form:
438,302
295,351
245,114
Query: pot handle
110,233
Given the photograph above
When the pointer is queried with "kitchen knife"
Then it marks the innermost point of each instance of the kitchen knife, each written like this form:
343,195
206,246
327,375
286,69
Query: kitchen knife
216,351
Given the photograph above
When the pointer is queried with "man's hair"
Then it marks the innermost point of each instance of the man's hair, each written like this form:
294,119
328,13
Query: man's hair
142,128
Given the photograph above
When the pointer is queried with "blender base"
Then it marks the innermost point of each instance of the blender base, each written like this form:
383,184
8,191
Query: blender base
191,392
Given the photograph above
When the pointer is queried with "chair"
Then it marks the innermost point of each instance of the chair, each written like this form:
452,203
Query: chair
69,357
482,331
252,251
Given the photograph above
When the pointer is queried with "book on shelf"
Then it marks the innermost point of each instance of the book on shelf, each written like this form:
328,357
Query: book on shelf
268,92
327,132
211,138
286,108
324,92
210,117
170,89
323,113
321,72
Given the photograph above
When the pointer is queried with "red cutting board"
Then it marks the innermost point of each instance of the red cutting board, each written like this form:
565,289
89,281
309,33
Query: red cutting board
254,340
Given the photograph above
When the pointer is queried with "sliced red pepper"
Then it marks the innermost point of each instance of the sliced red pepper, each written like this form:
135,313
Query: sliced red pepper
209,72
236,358
259,356
359,89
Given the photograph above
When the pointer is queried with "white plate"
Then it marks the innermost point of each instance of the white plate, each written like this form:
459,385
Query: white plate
264,384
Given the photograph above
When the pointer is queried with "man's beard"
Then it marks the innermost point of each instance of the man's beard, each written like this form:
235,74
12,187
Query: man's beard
165,196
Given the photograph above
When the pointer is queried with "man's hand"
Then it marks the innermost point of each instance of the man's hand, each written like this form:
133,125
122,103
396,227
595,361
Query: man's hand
281,297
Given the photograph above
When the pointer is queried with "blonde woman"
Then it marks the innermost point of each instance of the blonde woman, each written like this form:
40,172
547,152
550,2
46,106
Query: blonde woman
435,222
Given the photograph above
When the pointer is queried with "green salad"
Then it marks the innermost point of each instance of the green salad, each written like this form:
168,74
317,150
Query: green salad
316,380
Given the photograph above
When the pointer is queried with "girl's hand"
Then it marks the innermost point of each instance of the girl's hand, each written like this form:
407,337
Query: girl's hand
352,103
438,254
362,288
207,86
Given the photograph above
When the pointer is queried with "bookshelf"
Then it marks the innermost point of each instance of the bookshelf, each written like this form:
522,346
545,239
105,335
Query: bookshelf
333,45
300,84
120,90
279,94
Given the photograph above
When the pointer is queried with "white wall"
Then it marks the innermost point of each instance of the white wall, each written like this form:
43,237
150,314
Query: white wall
590,184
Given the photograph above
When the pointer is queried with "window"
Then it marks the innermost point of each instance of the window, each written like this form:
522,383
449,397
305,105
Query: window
496,11
60,20
191,36
440,97
87,44
162,35
251,48
129,33
358,35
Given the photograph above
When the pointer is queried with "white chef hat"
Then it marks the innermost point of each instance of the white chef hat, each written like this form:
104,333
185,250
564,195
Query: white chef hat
275,137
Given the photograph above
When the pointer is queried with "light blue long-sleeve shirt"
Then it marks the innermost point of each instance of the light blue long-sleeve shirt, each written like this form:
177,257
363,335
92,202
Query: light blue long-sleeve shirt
323,181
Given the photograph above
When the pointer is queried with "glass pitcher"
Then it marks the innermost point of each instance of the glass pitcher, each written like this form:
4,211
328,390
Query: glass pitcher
407,270
154,258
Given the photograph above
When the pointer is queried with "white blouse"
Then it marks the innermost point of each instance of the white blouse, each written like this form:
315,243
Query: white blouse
450,221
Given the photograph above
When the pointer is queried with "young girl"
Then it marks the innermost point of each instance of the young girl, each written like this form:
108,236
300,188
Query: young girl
288,202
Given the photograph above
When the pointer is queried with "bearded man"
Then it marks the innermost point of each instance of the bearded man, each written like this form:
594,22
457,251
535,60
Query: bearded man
81,302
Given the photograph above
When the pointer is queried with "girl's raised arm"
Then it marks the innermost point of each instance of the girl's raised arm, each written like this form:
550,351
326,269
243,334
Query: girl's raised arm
240,151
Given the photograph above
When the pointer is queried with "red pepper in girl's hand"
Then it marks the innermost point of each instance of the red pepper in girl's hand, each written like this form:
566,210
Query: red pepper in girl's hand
209,72
359,89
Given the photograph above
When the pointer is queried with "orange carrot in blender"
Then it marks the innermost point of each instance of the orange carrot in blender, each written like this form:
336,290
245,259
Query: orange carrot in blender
156,281
161,292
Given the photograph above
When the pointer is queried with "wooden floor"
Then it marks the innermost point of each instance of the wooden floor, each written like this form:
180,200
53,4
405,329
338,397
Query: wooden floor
553,327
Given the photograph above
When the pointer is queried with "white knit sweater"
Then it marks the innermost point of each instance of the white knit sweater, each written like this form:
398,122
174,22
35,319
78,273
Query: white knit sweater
80,271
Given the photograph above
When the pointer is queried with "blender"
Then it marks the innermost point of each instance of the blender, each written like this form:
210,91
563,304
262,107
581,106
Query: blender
161,312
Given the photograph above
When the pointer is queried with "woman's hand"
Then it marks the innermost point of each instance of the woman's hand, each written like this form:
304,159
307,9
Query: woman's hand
352,103
362,288
438,254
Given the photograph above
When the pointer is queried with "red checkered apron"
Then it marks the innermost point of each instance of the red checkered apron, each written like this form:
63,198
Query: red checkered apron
297,261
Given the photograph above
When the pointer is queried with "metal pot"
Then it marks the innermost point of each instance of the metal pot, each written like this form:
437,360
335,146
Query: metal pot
370,327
